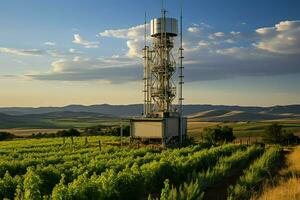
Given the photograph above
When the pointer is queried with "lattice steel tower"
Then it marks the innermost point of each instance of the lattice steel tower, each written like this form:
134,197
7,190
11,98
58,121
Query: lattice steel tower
159,67
161,120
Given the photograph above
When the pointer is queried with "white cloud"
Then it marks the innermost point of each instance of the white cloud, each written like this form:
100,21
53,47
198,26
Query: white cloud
115,69
283,38
287,25
134,47
235,33
230,41
228,51
57,53
264,31
228,55
203,43
37,52
22,52
219,34
135,32
50,43
134,36
87,44
193,29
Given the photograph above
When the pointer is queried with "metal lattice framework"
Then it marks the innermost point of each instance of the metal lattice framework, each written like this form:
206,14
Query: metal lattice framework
159,67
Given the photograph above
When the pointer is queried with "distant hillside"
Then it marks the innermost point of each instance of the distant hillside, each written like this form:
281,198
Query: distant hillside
115,110
208,114
57,117
137,109
236,116
63,119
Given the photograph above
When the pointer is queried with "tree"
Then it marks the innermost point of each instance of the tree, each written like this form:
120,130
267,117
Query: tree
274,134
107,130
218,134
68,133
289,138
6,136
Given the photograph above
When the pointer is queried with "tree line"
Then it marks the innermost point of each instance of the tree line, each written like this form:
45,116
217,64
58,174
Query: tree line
273,134
90,131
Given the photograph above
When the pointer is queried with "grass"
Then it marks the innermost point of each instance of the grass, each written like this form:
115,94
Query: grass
54,125
285,190
288,185
81,123
256,174
54,122
28,132
294,161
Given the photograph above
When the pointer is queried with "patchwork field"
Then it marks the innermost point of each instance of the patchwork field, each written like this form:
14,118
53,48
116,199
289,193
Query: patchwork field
243,129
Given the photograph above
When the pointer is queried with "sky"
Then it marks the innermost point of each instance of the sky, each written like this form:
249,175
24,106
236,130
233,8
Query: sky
56,53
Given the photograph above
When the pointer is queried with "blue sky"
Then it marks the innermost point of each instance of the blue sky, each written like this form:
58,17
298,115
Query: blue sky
88,52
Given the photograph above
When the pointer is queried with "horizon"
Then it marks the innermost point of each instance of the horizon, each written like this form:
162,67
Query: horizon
85,105
60,53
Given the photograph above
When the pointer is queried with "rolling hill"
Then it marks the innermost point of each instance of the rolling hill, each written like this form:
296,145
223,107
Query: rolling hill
137,109
63,119
80,115
232,116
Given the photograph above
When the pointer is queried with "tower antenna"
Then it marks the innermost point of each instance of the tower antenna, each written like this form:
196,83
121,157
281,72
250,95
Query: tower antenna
180,96
145,57
145,26
161,120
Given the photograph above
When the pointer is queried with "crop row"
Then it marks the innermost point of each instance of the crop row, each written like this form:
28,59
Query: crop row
128,179
110,157
255,175
194,189
93,161
135,181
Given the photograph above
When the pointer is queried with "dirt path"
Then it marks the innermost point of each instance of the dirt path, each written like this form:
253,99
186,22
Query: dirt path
219,192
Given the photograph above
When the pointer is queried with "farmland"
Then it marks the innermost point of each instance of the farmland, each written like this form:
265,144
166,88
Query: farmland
195,128
244,129
97,167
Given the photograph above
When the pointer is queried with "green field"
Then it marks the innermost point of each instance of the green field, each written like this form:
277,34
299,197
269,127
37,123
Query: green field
88,169
59,123
244,129
240,129
80,123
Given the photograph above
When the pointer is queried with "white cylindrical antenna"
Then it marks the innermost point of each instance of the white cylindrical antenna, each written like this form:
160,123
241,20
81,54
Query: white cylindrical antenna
145,26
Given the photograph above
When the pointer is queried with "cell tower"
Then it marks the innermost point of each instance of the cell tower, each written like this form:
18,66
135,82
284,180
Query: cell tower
161,120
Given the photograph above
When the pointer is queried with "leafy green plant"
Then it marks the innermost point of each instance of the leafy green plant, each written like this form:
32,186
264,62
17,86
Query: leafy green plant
255,175
194,188
32,183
